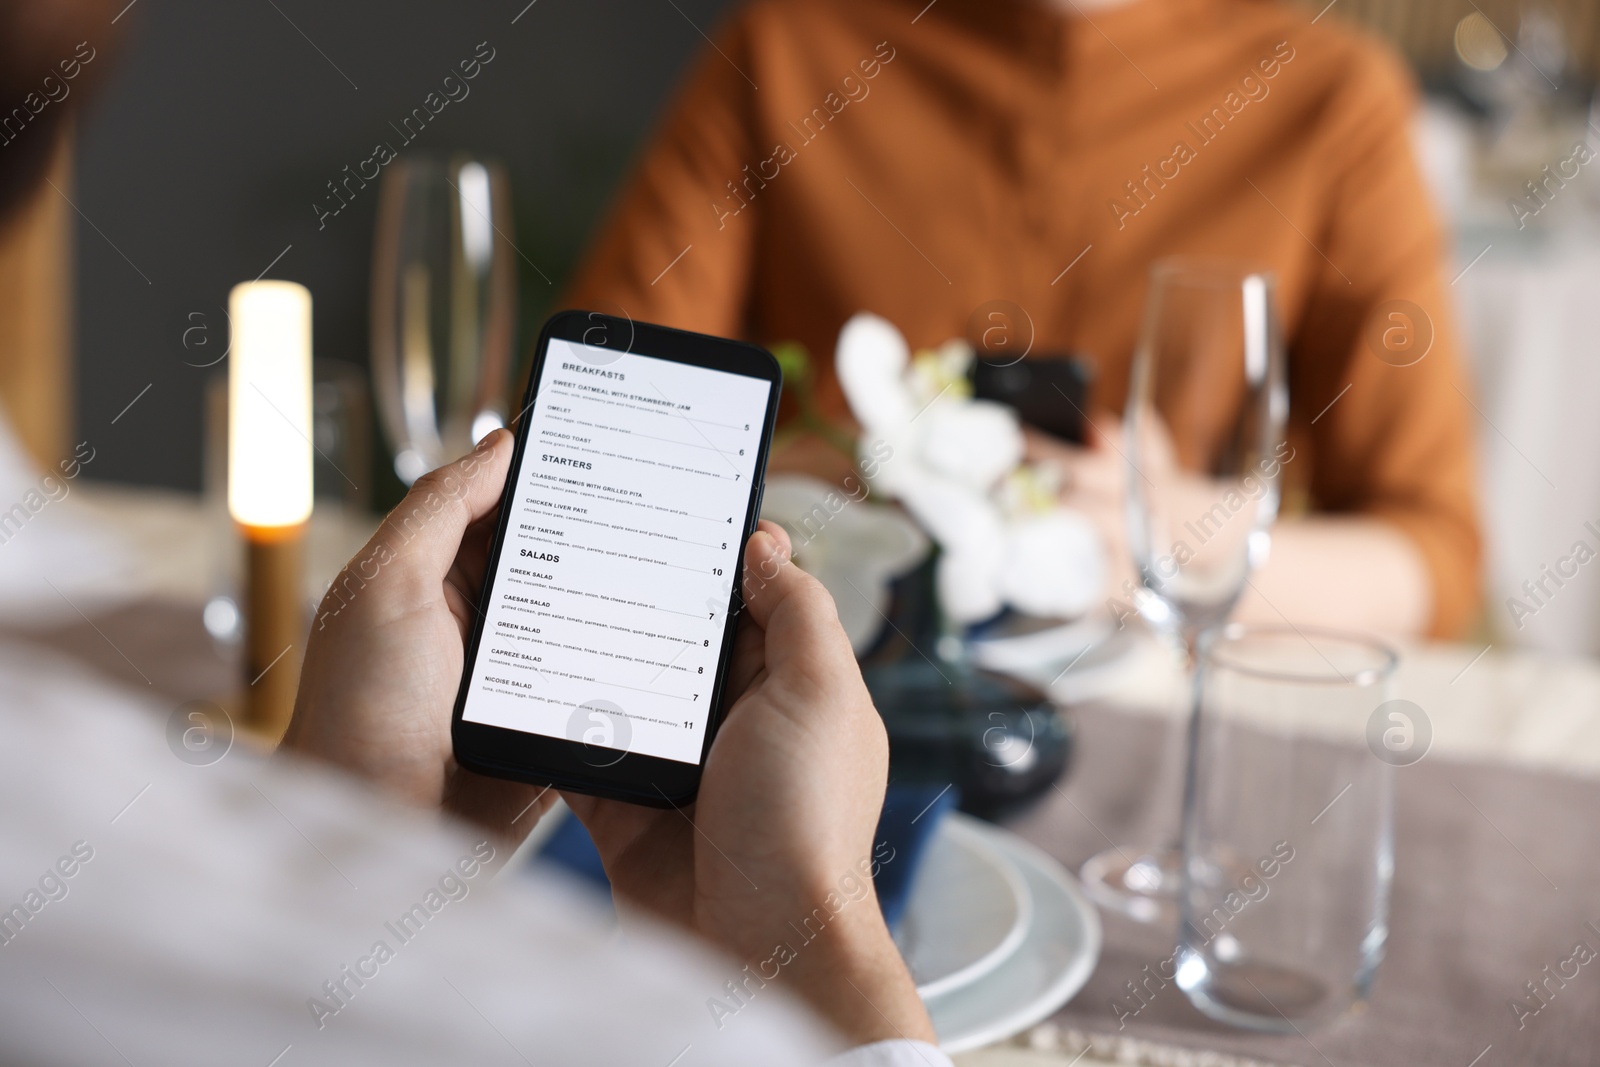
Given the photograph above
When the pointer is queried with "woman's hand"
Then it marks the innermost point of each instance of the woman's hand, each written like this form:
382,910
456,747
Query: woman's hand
1094,481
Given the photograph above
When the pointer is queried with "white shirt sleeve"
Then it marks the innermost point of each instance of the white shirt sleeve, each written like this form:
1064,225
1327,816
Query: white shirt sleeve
892,1054
154,910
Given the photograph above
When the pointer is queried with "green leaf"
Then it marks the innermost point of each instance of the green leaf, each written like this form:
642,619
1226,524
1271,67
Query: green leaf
796,363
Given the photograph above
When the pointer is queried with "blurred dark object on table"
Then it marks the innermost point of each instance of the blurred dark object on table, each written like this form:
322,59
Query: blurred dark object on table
997,741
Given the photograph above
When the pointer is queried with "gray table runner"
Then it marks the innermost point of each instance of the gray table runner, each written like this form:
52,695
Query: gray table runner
1497,877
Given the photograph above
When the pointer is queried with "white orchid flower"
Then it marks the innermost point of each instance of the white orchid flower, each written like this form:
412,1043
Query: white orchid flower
953,465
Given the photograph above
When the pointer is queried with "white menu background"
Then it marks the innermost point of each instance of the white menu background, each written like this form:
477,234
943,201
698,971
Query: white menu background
607,614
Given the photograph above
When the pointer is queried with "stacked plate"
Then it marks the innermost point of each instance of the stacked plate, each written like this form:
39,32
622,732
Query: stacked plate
996,933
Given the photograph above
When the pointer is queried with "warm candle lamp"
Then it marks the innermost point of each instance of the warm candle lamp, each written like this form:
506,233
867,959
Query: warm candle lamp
269,486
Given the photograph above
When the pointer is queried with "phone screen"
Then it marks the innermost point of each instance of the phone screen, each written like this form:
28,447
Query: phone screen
607,610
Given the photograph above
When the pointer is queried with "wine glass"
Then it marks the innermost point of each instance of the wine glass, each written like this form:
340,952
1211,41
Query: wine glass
1205,452
443,308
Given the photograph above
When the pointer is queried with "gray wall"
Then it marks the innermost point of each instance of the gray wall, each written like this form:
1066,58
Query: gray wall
201,159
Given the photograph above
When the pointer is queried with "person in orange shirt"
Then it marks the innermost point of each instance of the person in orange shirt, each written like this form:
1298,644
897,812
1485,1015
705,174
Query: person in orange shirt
922,160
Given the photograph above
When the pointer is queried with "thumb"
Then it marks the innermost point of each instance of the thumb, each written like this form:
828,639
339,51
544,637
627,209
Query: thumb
429,524
795,611
766,555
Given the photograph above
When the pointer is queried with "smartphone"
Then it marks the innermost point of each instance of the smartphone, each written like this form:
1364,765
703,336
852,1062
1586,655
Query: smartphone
1050,392
599,655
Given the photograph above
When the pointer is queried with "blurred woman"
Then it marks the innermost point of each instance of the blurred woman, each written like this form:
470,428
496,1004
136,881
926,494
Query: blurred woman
924,160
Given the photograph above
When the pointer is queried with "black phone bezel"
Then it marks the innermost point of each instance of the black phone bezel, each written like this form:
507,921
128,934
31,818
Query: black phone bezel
572,765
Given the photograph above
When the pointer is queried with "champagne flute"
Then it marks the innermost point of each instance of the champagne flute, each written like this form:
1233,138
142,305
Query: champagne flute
443,308
1204,423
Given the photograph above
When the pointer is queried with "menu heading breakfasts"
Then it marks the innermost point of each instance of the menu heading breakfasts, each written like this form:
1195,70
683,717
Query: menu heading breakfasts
606,618
579,368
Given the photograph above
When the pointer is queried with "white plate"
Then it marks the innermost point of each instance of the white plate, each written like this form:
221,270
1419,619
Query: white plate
1058,952
963,875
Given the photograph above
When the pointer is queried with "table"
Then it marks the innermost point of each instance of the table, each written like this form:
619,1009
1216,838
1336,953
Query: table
1493,883
1494,861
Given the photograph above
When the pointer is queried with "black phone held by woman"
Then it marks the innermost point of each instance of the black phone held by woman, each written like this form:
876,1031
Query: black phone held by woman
598,657
1049,391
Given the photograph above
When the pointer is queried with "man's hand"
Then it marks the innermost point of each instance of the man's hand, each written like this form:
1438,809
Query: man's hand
780,838
782,829
387,646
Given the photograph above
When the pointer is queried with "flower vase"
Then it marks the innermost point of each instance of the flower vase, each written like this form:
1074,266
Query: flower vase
998,741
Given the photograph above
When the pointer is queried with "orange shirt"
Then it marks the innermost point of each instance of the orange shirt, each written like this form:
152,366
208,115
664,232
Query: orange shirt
920,162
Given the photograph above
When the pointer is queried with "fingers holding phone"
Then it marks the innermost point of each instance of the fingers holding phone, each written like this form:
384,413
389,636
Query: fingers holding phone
383,663
785,816
627,504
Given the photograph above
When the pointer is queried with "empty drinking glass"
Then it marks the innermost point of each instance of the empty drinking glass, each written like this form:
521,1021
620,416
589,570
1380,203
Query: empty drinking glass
1287,829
